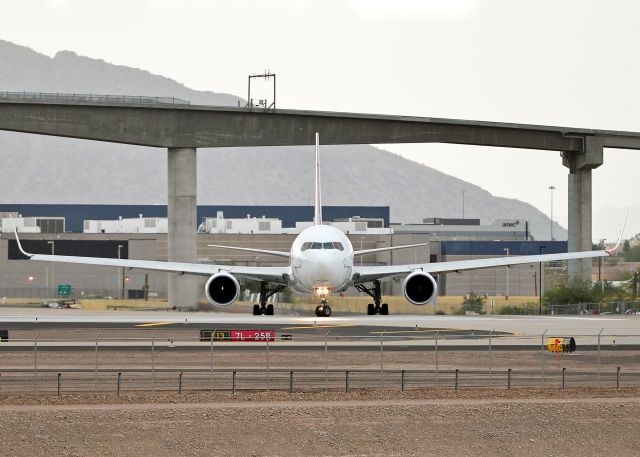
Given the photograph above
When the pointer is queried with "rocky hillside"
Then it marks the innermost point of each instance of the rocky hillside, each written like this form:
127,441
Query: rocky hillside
40,169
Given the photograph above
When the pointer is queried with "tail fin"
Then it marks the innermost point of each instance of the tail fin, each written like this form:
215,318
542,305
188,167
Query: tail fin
317,217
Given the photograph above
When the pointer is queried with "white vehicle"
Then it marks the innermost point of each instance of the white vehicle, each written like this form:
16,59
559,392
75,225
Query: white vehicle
320,263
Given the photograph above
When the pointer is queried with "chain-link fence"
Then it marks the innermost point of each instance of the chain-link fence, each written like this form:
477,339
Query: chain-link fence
174,360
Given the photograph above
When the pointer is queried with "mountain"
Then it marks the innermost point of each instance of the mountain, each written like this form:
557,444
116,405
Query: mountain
41,169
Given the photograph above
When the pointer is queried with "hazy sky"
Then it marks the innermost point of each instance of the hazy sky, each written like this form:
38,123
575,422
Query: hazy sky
570,63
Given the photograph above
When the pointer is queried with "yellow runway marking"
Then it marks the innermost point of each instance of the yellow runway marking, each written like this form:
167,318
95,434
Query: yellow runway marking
154,324
317,326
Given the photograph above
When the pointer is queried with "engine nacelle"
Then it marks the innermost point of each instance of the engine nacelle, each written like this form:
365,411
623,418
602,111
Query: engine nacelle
222,289
419,288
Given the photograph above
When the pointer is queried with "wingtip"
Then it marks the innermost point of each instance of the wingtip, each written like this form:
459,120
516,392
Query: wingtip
614,250
15,232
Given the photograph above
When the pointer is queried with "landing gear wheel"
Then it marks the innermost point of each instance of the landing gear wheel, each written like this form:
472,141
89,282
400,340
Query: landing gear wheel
327,311
265,294
374,292
319,311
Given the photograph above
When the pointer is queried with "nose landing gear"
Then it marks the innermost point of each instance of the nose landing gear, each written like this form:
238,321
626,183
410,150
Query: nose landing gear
265,295
375,293
323,310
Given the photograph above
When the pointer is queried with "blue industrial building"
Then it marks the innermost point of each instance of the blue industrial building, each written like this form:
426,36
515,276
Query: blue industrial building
497,248
76,214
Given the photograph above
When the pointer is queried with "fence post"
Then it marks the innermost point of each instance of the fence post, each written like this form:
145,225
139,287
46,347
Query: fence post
180,383
600,333
618,378
326,362
211,363
542,359
490,360
402,380
233,382
95,382
509,379
118,389
564,370
382,358
59,384
153,362
456,382
268,367
35,361
436,349
346,381
291,382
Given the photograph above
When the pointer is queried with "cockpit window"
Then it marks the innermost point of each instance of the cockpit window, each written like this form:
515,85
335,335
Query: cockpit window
327,245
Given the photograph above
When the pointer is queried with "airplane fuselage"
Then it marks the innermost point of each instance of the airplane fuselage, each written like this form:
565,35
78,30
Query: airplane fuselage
321,261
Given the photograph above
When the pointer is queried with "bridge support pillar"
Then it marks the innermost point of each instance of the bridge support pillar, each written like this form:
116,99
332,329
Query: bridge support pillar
580,202
182,214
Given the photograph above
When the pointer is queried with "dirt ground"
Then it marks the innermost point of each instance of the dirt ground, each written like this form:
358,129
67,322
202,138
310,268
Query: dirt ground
473,422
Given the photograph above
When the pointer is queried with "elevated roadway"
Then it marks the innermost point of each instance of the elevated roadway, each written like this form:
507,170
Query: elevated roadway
181,128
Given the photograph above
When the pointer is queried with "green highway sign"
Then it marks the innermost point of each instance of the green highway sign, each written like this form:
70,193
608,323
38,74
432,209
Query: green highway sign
65,289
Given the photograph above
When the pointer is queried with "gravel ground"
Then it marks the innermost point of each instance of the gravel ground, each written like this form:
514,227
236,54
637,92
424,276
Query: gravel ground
584,422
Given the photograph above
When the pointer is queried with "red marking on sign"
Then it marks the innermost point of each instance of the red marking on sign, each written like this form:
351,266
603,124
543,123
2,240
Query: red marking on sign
253,335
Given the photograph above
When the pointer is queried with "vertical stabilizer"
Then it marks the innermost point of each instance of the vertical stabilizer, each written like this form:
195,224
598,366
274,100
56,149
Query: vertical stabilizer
317,217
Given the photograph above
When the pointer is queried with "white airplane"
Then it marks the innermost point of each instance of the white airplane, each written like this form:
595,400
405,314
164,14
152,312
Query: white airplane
320,263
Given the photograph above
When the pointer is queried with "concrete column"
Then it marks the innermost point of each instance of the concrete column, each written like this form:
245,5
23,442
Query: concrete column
182,214
580,221
580,208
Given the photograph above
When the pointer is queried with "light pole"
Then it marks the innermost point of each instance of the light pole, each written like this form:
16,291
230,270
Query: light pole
463,191
551,189
53,271
506,295
119,257
540,248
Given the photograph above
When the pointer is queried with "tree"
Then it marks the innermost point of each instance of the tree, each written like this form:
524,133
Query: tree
633,254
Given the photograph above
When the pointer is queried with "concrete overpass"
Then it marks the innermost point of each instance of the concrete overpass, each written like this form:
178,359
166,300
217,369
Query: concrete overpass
181,128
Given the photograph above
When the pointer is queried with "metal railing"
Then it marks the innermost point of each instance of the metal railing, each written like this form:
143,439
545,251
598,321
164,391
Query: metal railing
111,360
182,380
91,98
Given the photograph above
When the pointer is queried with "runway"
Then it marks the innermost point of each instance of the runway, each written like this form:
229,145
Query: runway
29,318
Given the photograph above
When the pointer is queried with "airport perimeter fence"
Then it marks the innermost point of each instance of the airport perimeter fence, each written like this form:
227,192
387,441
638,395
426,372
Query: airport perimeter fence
91,98
174,361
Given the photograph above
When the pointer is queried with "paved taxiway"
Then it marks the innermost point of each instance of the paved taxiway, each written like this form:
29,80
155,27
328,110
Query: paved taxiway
622,326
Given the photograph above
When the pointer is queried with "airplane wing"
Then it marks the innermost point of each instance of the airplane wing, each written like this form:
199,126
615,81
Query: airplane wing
257,251
369,273
278,275
362,274
390,248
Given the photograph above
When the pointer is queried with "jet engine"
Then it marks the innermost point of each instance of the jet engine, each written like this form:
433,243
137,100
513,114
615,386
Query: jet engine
222,289
419,288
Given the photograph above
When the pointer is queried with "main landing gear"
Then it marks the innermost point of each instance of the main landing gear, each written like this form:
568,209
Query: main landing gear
323,310
265,295
375,293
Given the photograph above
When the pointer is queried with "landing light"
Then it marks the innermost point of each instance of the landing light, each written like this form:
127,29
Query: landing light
321,291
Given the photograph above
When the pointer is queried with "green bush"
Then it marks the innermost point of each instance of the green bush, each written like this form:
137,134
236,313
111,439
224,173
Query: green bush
526,309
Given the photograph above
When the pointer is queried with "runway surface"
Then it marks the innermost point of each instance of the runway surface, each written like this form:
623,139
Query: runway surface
29,318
